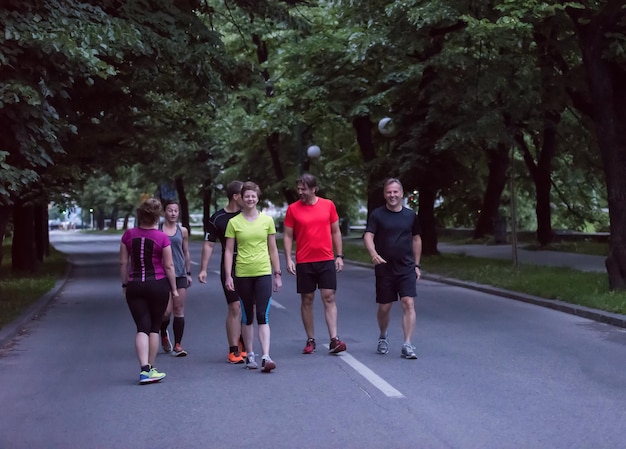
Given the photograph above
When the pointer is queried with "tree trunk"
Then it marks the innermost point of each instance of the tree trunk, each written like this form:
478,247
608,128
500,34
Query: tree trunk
46,230
207,196
273,146
541,172
545,37
179,181
498,163
608,94
363,127
99,216
427,197
23,250
114,214
5,216
543,187
40,228
273,140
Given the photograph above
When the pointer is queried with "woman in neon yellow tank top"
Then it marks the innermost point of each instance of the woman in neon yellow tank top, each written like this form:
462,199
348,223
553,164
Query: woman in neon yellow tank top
257,271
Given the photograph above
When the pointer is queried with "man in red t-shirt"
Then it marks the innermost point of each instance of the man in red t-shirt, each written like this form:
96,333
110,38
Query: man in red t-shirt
314,224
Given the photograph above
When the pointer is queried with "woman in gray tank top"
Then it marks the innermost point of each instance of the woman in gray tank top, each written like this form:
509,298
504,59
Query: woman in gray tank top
179,237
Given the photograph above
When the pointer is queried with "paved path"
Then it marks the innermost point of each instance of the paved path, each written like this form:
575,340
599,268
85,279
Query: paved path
491,373
580,262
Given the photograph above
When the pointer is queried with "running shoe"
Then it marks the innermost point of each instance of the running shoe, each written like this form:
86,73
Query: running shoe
166,343
383,346
178,351
242,348
235,358
144,377
310,346
149,377
408,351
251,362
336,346
268,365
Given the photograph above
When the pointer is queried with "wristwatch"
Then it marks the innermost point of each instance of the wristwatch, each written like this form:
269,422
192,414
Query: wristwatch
340,256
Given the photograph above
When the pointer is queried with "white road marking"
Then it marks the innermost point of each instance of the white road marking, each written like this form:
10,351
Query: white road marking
277,304
370,375
359,367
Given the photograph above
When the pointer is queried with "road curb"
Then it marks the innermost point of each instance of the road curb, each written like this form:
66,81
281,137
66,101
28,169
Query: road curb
613,319
601,316
34,312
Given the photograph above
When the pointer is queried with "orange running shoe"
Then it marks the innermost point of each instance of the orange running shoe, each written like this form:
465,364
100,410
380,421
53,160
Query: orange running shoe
242,348
235,358
166,343
178,351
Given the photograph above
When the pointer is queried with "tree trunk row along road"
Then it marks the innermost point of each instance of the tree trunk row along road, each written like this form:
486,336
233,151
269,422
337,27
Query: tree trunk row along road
491,373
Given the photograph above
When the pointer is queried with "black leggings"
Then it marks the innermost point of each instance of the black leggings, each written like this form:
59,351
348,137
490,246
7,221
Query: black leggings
147,302
254,291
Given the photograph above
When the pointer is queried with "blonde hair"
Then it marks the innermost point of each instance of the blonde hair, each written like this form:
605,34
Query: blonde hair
149,212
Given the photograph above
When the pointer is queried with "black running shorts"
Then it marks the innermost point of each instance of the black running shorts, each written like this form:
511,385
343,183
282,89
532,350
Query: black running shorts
391,287
313,275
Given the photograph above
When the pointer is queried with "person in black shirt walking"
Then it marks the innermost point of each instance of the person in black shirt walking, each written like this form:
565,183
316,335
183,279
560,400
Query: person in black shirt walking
215,229
392,238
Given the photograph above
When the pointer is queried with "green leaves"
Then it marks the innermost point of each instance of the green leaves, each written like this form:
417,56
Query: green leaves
98,85
102,76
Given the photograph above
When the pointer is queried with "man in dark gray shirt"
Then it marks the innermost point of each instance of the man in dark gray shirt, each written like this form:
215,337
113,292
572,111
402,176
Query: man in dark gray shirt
392,238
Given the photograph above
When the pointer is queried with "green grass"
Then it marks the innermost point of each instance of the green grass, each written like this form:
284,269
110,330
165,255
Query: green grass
18,291
581,247
572,286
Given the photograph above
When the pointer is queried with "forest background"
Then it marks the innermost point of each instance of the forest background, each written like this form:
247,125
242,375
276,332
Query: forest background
506,108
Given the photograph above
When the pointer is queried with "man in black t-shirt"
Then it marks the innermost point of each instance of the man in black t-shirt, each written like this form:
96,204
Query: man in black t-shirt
214,230
392,238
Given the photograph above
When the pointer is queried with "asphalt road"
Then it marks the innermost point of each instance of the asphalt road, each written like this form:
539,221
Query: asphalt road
491,373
